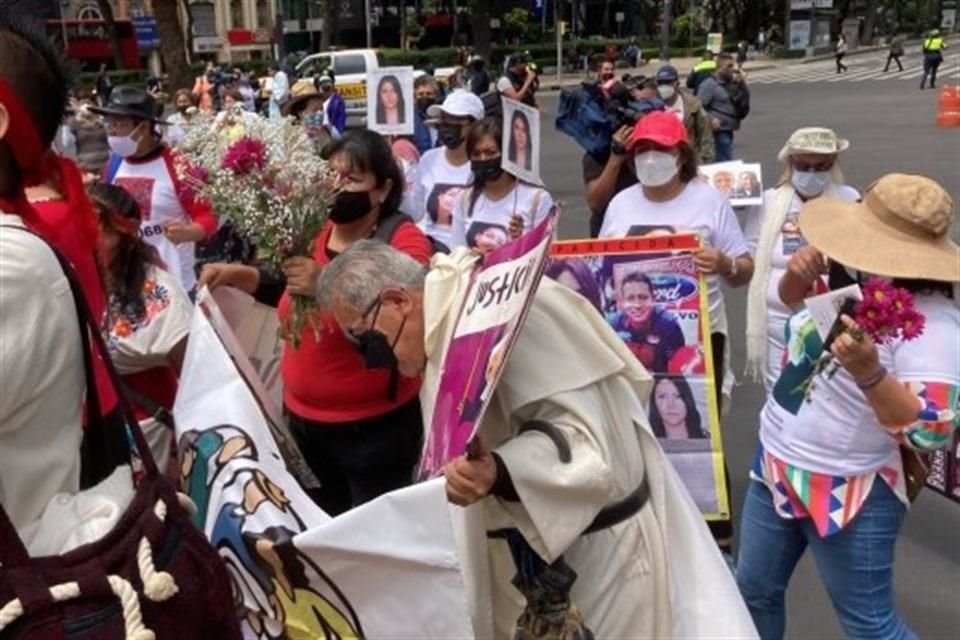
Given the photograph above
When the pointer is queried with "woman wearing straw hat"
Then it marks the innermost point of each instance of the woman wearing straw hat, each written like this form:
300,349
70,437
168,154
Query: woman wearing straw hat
830,473
811,169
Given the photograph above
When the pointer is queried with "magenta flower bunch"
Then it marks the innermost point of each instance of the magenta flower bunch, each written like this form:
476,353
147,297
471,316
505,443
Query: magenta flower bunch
887,313
245,156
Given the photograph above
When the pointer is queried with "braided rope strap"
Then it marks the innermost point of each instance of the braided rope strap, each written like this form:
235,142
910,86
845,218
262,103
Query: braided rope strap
134,629
158,586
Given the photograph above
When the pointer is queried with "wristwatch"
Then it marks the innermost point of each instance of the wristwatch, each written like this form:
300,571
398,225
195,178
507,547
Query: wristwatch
734,268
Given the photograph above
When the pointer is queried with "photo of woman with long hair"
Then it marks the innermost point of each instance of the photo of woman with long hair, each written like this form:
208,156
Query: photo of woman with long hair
673,410
575,273
520,151
391,107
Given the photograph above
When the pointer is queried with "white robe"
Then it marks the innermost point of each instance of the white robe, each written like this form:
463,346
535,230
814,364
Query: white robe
656,575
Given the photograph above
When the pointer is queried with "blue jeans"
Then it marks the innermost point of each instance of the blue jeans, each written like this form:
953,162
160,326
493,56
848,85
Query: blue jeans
723,141
855,564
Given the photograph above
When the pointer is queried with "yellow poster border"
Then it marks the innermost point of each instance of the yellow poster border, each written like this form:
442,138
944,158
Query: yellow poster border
660,244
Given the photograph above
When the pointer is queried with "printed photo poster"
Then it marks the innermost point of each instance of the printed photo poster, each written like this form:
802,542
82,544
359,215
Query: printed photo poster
390,101
651,295
386,569
491,315
944,475
521,141
739,182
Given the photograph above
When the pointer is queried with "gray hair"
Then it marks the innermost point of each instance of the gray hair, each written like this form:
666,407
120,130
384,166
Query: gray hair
358,275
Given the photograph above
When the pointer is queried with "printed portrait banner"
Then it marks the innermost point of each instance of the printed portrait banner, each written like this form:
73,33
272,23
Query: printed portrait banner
739,182
492,313
387,569
390,101
944,475
521,141
652,296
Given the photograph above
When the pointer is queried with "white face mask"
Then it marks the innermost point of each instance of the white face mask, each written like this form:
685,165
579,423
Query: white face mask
655,168
666,91
123,146
810,184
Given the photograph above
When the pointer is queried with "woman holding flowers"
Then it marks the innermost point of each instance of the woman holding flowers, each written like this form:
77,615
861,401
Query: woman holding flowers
843,421
355,418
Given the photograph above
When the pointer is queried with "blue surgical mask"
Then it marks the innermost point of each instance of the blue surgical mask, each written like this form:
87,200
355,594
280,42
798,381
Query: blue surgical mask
810,184
313,119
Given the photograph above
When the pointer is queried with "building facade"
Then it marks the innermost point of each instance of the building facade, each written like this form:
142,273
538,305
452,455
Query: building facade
224,30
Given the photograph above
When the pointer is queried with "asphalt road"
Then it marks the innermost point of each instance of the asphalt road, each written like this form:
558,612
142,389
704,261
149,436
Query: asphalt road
891,126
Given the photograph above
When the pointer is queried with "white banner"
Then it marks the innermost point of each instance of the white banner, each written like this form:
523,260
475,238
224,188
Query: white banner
387,569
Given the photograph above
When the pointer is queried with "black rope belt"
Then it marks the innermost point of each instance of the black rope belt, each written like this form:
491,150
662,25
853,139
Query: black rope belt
623,510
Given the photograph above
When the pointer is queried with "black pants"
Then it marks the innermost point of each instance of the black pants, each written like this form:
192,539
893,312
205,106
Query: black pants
894,58
722,530
930,65
840,65
359,461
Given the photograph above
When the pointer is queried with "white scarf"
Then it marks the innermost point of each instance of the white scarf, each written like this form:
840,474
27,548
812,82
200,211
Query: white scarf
773,219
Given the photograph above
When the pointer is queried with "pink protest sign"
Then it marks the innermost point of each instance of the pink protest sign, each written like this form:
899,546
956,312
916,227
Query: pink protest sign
492,313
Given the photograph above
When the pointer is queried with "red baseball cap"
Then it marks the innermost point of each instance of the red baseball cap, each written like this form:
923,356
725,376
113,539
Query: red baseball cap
660,127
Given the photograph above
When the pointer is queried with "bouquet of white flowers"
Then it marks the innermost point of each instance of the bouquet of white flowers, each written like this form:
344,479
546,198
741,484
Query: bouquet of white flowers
271,184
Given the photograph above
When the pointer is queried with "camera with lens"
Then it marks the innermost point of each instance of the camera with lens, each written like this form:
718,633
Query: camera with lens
629,99
593,112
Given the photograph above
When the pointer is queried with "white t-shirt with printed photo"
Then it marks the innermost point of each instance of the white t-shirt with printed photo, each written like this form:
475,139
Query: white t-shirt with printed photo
787,244
835,431
436,192
698,208
487,225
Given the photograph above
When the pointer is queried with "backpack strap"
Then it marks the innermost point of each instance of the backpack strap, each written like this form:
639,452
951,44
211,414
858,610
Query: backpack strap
387,227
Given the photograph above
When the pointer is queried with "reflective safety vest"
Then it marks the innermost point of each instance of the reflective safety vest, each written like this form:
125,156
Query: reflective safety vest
705,65
933,45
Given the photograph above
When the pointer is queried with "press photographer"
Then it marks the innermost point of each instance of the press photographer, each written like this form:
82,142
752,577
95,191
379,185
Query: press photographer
600,117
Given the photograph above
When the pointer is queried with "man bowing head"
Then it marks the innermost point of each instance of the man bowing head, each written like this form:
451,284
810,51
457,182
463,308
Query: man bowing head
566,496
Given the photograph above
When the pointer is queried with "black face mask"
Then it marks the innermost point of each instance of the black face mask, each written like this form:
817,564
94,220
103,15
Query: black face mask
377,351
425,103
607,76
450,135
726,75
183,108
350,206
486,170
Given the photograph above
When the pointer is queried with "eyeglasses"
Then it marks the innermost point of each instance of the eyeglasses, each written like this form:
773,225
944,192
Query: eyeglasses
352,334
827,165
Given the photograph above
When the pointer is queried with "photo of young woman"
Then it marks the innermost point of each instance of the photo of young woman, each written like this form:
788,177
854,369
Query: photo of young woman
441,202
673,410
391,107
576,274
486,237
520,151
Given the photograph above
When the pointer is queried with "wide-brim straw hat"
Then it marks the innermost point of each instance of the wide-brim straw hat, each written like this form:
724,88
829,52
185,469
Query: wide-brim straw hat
818,140
899,230
303,90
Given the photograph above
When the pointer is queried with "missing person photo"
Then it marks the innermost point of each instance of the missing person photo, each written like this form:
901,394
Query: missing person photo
521,141
390,101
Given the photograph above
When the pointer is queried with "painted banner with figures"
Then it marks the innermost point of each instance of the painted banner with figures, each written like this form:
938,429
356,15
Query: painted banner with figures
387,569
652,296
496,303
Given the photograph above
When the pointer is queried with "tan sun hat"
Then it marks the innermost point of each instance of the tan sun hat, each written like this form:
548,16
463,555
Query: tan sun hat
899,230
813,140
303,90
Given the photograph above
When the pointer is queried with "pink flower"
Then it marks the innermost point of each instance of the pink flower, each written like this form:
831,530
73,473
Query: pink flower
887,313
244,156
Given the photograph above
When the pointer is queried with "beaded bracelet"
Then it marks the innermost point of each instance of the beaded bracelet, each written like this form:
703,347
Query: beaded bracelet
873,380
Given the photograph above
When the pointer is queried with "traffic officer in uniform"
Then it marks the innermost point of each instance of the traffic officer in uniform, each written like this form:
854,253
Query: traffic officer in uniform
933,48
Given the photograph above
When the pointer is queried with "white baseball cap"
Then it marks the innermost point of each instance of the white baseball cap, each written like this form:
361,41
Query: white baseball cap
459,104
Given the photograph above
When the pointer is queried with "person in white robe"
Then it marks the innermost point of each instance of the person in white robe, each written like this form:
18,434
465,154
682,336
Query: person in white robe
655,572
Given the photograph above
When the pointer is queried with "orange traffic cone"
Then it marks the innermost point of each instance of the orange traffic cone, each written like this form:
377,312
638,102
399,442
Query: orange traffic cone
948,106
